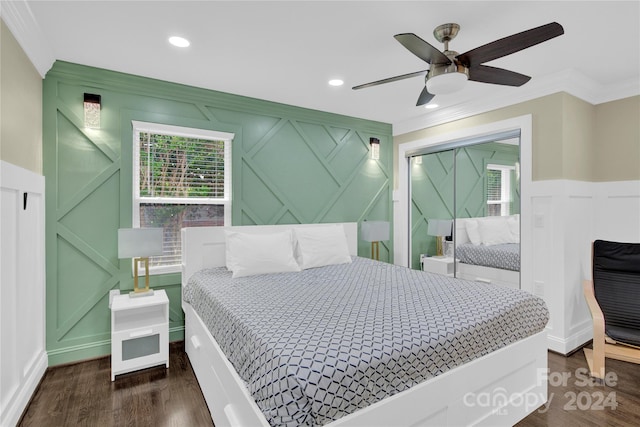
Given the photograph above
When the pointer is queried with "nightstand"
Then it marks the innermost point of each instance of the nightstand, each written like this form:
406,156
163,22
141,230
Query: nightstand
438,265
139,332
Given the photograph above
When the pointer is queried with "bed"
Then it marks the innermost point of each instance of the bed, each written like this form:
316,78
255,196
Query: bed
511,378
492,257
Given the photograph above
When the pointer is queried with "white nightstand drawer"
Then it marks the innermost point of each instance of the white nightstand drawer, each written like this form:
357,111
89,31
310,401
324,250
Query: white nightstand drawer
139,348
438,265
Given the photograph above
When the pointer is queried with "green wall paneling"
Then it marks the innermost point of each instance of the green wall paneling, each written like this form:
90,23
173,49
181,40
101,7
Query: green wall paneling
432,191
289,165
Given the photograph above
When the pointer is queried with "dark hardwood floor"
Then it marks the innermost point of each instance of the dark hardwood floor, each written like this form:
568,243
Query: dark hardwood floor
83,394
577,400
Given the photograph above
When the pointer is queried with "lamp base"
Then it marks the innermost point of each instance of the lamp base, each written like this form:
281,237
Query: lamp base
134,294
375,251
439,245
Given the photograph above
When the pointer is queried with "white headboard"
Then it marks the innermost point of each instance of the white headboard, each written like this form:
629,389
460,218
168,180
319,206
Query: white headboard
204,247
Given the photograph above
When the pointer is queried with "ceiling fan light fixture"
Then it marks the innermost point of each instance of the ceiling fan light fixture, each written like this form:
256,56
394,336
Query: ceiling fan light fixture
446,79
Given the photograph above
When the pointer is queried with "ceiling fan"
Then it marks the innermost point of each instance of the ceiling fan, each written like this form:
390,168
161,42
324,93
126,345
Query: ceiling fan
449,71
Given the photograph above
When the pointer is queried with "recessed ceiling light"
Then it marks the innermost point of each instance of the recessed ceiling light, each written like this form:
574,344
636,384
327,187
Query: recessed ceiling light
431,106
179,41
336,82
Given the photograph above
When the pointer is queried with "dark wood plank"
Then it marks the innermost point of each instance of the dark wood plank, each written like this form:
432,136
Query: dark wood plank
83,394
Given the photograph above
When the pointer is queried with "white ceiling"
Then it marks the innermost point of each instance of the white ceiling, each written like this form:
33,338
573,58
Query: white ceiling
287,51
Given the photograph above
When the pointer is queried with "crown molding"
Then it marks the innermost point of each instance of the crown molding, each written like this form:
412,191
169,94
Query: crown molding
24,27
572,82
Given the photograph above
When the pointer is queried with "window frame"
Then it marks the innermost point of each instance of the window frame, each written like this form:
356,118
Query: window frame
187,132
505,187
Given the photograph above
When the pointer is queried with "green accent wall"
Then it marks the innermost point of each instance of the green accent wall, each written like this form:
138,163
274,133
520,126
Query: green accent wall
289,165
432,189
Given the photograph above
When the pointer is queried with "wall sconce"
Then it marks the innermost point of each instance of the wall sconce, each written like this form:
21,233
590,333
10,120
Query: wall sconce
91,111
375,148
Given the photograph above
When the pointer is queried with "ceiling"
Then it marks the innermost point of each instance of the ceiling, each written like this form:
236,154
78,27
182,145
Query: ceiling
287,51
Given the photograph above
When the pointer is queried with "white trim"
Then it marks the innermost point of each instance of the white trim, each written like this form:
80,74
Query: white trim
505,187
184,131
23,302
401,221
27,32
573,341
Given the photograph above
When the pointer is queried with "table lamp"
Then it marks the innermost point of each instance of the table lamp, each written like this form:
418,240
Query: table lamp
140,244
375,232
439,228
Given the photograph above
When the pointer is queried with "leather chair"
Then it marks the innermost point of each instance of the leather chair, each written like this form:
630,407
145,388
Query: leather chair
613,296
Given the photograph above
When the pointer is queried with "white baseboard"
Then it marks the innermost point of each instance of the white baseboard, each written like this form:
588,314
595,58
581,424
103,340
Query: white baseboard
569,344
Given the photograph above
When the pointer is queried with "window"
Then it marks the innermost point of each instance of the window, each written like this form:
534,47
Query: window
499,190
181,178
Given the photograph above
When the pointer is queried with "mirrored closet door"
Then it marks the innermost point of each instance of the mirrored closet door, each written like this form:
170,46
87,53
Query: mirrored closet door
465,206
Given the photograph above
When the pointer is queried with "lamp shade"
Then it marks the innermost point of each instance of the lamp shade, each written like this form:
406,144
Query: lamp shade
374,231
439,227
139,242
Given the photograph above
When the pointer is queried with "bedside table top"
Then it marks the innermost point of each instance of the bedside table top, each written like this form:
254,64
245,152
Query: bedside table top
445,259
125,302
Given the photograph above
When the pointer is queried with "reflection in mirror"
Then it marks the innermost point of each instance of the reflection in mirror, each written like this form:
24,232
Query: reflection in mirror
487,232
432,179
472,191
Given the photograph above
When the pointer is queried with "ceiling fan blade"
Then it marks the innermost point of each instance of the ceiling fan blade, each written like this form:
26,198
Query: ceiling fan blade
509,45
424,97
497,76
422,49
392,79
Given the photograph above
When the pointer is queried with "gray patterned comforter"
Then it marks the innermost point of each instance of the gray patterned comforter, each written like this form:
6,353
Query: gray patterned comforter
505,256
316,345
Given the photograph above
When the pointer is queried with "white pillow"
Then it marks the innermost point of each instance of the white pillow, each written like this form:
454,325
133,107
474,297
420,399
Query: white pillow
514,227
471,225
250,254
495,231
318,246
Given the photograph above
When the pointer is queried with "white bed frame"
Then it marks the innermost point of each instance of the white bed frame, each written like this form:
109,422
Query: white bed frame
481,273
500,388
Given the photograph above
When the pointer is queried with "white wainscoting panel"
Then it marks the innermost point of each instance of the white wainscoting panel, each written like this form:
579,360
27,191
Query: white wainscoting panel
578,234
566,217
23,358
617,211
